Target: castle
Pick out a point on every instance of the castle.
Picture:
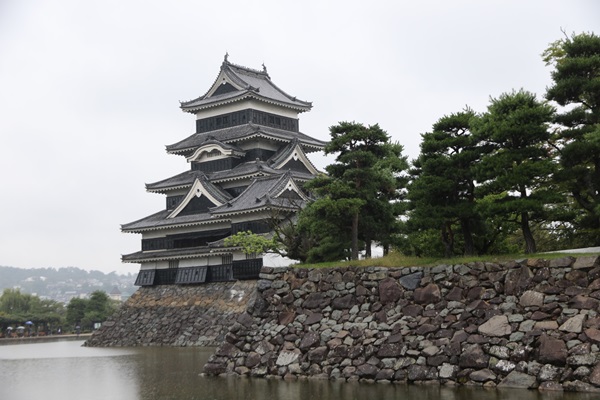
(247, 166)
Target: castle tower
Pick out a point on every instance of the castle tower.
(247, 164)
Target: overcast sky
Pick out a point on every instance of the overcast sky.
(90, 91)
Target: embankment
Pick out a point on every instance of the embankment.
(527, 324)
(176, 315)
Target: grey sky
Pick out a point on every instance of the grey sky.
(89, 92)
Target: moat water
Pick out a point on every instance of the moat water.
(64, 370)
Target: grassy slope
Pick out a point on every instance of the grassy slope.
(399, 260)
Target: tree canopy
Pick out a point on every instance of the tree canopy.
(356, 199)
(518, 175)
(516, 166)
(87, 312)
(442, 189)
(576, 87)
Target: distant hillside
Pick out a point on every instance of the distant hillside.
(62, 284)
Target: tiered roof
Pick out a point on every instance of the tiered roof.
(239, 133)
(266, 184)
(264, 193)
(235, 83)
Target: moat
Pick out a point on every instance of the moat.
(66, 370)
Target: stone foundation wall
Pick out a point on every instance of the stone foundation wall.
(176, 315)
(526, 324)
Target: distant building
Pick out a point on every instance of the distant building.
(247, 166)
(115, 294)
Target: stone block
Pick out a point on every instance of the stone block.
(473, 356)
(531, 298)
(496, 326)
(447, 371)
(587, 262)
(561, 262)
(552, 350)
(286, 358)
(593, 334)
(518, 380)
(482, 375)
(389, 291)
(573, 324)
(430, 294)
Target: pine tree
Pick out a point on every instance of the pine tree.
(358, 194)
(442, 192)
(517, 167)
(576, 77)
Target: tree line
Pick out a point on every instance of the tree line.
(42, 316)
(523, 175)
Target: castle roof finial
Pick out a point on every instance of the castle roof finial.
(226, 56)
(264, 68)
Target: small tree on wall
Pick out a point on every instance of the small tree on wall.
(251, 243)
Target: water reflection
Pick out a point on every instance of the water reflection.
(65, 370)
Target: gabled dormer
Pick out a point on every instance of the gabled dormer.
(202, 196)
(213, 149)
(274, 192)
(293, 158)
(213, 156)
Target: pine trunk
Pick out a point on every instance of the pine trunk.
(354, 255)
(448, 241)
(527, 235)
(467, 236)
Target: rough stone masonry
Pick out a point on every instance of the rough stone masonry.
(525, 324)
(172, 315)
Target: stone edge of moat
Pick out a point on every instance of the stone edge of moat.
(171, 315)
(520, 324)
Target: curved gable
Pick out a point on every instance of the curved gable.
(198, 200)
(296, 160)
(213, 151)
(290, 191)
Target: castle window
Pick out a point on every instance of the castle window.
(227, 259)
(174, 264)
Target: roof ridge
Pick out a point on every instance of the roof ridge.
(284, 152)
(248, 69)
(215, 190)
(282, 181)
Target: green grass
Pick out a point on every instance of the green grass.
(398, 260)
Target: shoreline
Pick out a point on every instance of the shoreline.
(43, 339)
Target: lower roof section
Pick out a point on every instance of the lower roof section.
(174, 254)
(159, 220)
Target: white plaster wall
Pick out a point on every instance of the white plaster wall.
(275, 260)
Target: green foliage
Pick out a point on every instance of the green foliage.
(442, 190)
(86, 312)
(357, 196)
(75, 311)
(516, 166)
(16, 308)
(251, 243)
(576, 87)
(325, 225)
(482, 184)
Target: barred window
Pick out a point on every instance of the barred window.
(227, 259)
